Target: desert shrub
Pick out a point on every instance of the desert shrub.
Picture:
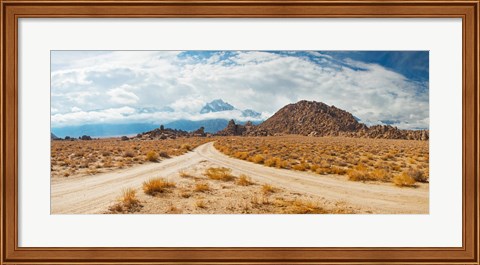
(267, 189)
(186, 147)
(244, 180)
(404, 180)
(276, 162)
(270, 162)
(259, 159)
(152, 156)
(164, 154)
(200, 204)
(417, 175)
(338, 170)
(129, 197)
(300, 167)
(241, 155)
(155, 186)
(185, 194)
(201, 187)
(381, 175)
(356, 175)
(299, 207)
(359, 173)
(219, 173)
(259, 200)
(129, 154)
(128, 202)
(185, 174)
(322, 170)
(314, 167)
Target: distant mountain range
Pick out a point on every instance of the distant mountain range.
(103, 130)
(219, 105)
(111, 130)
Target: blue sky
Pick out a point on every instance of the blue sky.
(378, 87)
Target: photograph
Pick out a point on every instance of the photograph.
(239, 132)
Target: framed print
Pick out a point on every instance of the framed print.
(239, 132)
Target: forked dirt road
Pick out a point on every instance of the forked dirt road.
(93, 194)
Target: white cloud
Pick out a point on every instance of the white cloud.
(261, 81)
(76, 109)
(189, 104)
(121, 95)
(128, 114)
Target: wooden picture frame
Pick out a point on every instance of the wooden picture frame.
(12, 10)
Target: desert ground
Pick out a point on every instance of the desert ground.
(223, 175)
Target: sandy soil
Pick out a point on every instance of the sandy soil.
(94, 194)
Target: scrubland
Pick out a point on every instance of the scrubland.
(257, 175)
(402, 162)
(207, 188)
(80, 157)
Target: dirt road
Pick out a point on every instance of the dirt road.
(93, 194)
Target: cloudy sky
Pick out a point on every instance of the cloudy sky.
(89, 87)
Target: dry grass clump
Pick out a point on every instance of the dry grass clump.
(299, 207)
(174, 210)
(201, 187)
(418, 175)
(128, 202)
(219, 173)
(404, 180)
(155, 186)
(185, 194)
(381, 175)
(259, 159)
(359, 173)
(276, 162)
(200, 204)
(241, 155)
(364, 173)
(152, 156)
(301, 167)
(186, 147)
(328, 170)
(163, 154)
(268, 189)
(244, 180)
(260, 200)
(185, 174)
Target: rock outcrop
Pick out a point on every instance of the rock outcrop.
(163, 133)
(233, 129)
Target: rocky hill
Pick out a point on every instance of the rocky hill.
(311, 118)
